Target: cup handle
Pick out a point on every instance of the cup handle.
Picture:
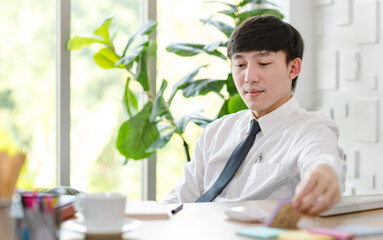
(78, 204)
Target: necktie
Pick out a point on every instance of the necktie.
(232, 165)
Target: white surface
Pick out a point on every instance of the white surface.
(349, 65)
(77, 225)
(351, 204)
(327, 73)
(366, 21)
(323, 2)
(247, 214)
(372, 82)
(365, 117)
(343, 12)
(353, 165)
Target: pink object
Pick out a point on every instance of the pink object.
(337, 234)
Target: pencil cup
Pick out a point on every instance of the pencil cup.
(7, 224)
(102, 211)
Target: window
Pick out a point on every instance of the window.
(96, 103)
(27, 89)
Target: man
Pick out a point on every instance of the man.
(295, 154)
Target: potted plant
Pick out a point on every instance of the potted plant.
(152, 125)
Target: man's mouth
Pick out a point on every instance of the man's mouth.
(253, 92)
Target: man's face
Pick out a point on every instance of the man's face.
(263, 79)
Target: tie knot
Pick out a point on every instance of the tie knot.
(254, 127)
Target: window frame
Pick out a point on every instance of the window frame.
(62, 58)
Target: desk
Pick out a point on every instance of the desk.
(200, 221)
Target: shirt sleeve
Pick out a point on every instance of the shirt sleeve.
(319, 145)
(190, 186)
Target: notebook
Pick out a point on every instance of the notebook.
(146, 210)
(350, 204)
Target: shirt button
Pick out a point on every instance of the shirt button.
(238, 172)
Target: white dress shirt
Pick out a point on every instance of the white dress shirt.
(291, 143)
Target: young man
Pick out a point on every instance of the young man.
(295, 154)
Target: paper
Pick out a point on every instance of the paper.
(335, 233)
(284, 216)
(146, 210)
(361, 230)
(302, 235)
(261, 232)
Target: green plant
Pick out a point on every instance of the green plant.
(236, 14)
(151, 126)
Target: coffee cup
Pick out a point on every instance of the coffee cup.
(102, 212)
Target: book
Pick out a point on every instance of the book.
(66, 207)
(146, 210)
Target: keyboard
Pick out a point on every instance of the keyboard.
(350, 204)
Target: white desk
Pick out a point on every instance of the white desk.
(199, 221)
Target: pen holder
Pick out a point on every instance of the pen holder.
(41, 217)
(7, 223)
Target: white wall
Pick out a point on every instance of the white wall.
(342, 75)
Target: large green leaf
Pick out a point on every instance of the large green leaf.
(160, 107)
(192, 49)
(236, 104)
(185, 49)
(128, 60)
(149, 27)
(152, 48)
(230, 85)
(202, 87)
(130, 100)
(141, 74)
(76, 43)
(230, 12)
(222, 26)
(224, 109)
(256, 12)
(160, 142)
(200, 120)
(106, 58)
(186, 79)
(103, 30)
(137, 134)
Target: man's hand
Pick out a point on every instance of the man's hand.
(317, 192)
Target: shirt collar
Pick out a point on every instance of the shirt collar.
(269, 120)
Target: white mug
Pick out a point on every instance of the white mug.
(102, 212)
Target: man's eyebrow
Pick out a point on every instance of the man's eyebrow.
(256, 54)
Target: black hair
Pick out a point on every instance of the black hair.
(268, 33)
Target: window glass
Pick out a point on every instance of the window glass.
(96, 102)
(178, 25)
(27, 87)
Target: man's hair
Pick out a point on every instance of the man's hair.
(267, 33)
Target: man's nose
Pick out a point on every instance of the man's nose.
(251, 75)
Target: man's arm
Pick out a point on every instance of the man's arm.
(318, 191)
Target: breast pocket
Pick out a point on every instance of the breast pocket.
(268, 179)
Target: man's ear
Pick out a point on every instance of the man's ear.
(296, 66)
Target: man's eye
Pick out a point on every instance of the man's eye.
(240, 65)
(264, 63)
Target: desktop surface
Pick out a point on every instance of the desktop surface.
(208, 221)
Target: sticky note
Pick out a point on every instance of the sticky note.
(361, 230)
(302, 235)
(261, 232)
(284, 216)
(335, 233)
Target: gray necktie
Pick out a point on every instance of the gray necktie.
(232, 165)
